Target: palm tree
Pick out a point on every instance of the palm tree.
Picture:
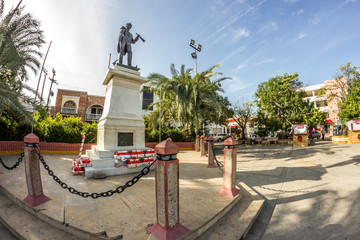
(11, 101)
(189, 101)
(20, 41)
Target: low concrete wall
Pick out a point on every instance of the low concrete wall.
(339, 139)
(15, 147)
(182, 145)
(353, 137)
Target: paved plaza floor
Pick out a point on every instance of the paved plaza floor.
(310, 193)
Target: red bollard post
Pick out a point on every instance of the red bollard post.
(32, 172)
(229, 177)
(197, 143)
(211, 153)
(167, 193)
(202, 146)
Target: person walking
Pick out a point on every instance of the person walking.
(323, 134)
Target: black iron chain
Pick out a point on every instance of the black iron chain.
(217, 162)
(108, 193)
(15, 165)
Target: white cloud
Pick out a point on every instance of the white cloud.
(232, 54)
(301, 35)
(240, 66)
(300, 11)
(269, 26)
(236, 85)
(269, 60)
(315, 20)
(291, 1)
(242, 32)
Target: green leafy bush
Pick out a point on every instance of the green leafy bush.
(176, 134)
(48, 129)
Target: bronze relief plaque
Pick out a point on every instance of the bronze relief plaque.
(125, 139)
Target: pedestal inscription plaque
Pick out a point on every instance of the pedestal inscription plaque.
(125, 139)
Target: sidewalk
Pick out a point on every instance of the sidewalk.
(311, 193)
(121, 216)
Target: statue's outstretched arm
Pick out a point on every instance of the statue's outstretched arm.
(135, 40)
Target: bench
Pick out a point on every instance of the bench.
(272, 139)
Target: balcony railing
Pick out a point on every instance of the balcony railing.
(68, 110)
(93, 116)
(324, 109)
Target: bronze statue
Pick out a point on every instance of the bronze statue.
(124, 43)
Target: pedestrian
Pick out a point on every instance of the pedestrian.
(323, 134)
(252, 140)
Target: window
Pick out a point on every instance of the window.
(69, 107)
(94, 113)
(96, 110)
(70, 104)
(148, 98)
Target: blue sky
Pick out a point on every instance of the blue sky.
(253, 40)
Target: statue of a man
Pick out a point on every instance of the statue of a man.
(124, 43)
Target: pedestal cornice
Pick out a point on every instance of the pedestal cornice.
(125, 74)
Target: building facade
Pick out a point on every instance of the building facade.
(79, 104)
(326, 97)
(90, 107)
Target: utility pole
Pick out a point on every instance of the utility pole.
(42, 67)
(50, 92)
(42, 91)
(37, 88)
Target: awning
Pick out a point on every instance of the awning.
(328, 120)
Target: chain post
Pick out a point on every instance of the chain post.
(167, 193)
(202, 146)
(229, 175)
(32, 172)
(211, 152)
(197, 143)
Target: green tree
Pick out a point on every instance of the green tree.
(350, 107)
(189, 101)
(281, 100)
(348, 81)
(20, 41)
(313, 116)
(11, 106)
(243, 113)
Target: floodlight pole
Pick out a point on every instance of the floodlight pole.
(160, 119)
(194, 55)
(195, 62)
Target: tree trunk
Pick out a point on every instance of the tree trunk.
(243, 133)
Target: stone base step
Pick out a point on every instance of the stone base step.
(238, 221)
(24, 225)
(102, 172)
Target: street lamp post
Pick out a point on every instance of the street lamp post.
(194, 55)
(160, 119)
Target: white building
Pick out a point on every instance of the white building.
(317, 95)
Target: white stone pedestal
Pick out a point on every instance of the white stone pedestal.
(121, 125)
